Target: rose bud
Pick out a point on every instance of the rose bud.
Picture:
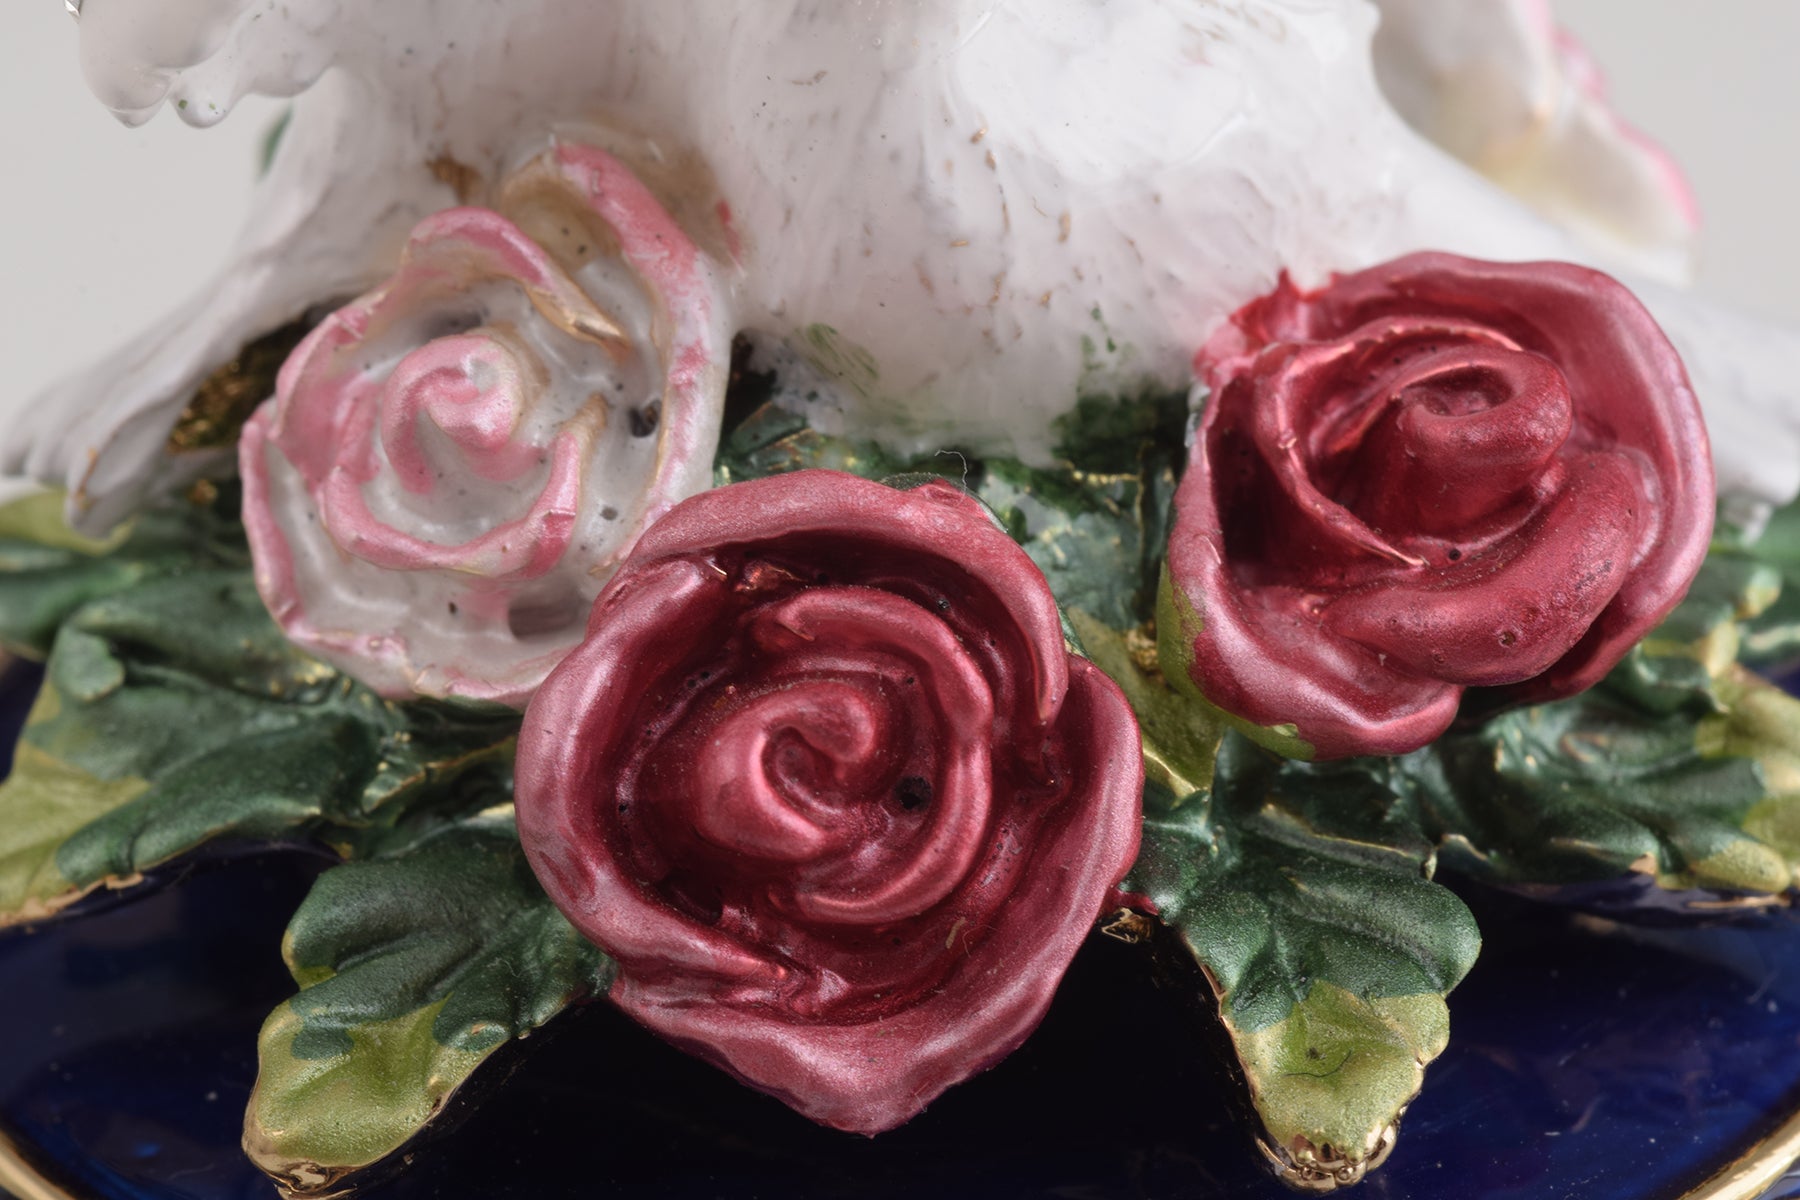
(1433, 475)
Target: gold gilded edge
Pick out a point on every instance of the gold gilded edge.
(1746, 1177)
(19, 1178)
(1757, 1169)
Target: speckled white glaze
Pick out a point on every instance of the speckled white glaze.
(966, 211)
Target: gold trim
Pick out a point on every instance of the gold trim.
(22, 1179)
(1756, 1170)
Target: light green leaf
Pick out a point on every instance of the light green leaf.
(413, 971)
(1304, 893)
(1180, 738)
(1336, 1058)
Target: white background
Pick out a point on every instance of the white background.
(103, 227)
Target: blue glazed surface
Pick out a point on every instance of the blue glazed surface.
(1588, 1061)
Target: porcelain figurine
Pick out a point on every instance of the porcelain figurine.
(965, 212)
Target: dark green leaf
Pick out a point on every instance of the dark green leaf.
(1773, 635)
(1600, 787)
(1305, 893)
(174, 712)
(772, 440)
(1094, 522)
(47, 571)
(413, 970)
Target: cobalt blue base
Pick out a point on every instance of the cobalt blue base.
(1588, 1061)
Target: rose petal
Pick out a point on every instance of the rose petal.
(933, 520)
(861, 620)
(870, 1076)
(1262, 655)
(1496, 618)
(806, 783)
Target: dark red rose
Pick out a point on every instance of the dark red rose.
(1432, 475)
(827, 783)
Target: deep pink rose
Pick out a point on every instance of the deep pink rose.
(1433, 475)
(827, 783)
(453, 464)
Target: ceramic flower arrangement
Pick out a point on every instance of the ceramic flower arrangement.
(802, 606)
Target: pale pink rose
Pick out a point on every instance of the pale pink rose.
(453, 464)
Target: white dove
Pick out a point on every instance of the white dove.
(966, 212)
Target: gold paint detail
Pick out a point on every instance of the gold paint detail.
(1128, 926)
(459, 177)
(1140, 643)
(541, 202)
(226, 398)
(1312, 1171)
(1737, 904)
(20, 1179)
(1757, 1169)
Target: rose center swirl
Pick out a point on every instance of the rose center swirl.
(471, 391)
(1463, 436)
(854, 784)
(1429, 432)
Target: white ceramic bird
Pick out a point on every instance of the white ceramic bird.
(965, 212)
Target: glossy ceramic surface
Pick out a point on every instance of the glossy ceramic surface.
(1588, 1061)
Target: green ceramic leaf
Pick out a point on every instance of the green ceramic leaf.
(1304, 892)
(1731, 588)
(1773, 635)
(1598, 788)
(174, 713)
(1180, 739)
(413, 970)
(1094, 521)
(47, 570)
(44, 801)
(1673, 783)
(771, 440)
(1096, 538)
